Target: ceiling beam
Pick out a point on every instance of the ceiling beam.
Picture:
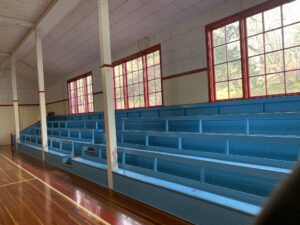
(16, 22)
(52, 15)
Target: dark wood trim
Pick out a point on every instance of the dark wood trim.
(58, 101)
(98, 92)
(11, 105)
(191, 72)
(6, 105)
(41, 91)
(29, 104)
(106, 65)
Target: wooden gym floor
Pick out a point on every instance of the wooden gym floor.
(32, 192)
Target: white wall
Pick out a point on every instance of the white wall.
(27, 90)
(183, 49)
(28, 111)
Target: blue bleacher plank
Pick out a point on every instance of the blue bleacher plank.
(232, 154)
(184, 202)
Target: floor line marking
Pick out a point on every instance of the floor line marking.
(104, 222)
(17, 182)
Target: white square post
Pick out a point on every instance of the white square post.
(41, 82)
(13, 71)
(107, 84)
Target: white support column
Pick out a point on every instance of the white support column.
(107, 84)
(15, 98)
(40, 71)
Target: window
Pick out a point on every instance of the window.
(137, 80)
(256, 53)
(80, 90)
(227, 62)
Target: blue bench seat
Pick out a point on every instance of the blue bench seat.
(268, 123)
(264, 147)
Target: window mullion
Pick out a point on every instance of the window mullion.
(211, 66)
(114, 88)
(70, 98)
(76, 97)
(244, 58)
(86, 95)
(283, 49)
(145, 74)
(126, 100)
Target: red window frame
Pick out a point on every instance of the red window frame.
(137, 80)
(242, 18)
(80, 94)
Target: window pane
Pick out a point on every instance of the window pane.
(130, 90)
(151, 73)
(142, 101)
(255, 45)
(150, 60)
(257, 86)
(136, 89)
(220, 54)
(274, 62)
(219, 36)
(232, 32)
(135, 77)
(222, 91)
(131, 102)
(254, 24)
(129, 67)
(158, 85)
(140, 63)
(275, 84)
(152, 99)
(129, 78)
(134, 65)
(236, 88)
(118, 93)
(256, 65)
(272, 18)
(117, 82)
(234, 70)
(137, 102)
(292, 58)
(158, 98)
(291, 12)
(89, 80)
(233, 51)
(141, 89)
(292, 35)
(156, 58)
(273, 40)
(293, 81)
(116, 70)
(151, 85)
(91, 108)
(221, 72)
(157, 71)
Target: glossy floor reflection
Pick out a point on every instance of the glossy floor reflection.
(27, 200)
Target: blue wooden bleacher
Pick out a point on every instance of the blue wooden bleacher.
(213, 163)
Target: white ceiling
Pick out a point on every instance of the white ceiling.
(23, 10)
(75, 42)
